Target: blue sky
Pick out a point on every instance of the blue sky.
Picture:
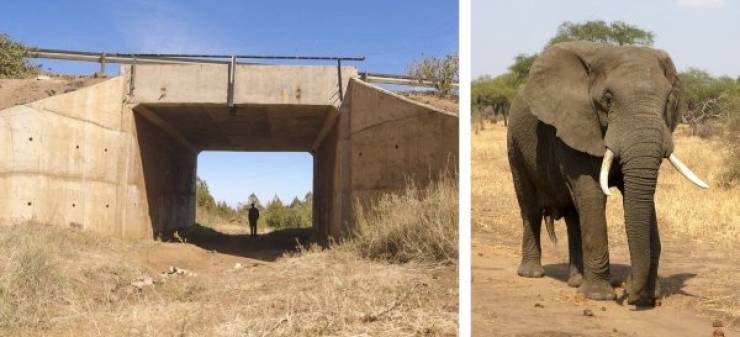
(391, 34)
(702, 34)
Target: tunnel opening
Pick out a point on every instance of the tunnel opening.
(279, 184)
(170, 138)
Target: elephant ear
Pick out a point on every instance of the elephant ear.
(677, 104)
(557, 92)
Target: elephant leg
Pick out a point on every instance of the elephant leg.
(591, 205)
(531, 265)
(575, 253)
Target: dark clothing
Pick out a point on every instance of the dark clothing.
(254, 215)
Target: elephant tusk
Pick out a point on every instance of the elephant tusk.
(606, 165)
(686, 172)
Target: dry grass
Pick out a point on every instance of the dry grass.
(416, 225)
(63, 282)
(349, 297)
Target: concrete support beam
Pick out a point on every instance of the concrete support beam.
(165, 126)
(329, 122)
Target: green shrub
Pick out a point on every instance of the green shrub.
(13, 60)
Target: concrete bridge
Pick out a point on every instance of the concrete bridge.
(120, 157)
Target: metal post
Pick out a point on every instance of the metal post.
(230, 92)
(133, 76)
(339, 76)
(102, 64)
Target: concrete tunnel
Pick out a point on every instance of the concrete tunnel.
(120, 157)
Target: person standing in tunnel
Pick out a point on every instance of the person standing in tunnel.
(254, 215)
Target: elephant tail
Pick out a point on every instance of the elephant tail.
(550, 227)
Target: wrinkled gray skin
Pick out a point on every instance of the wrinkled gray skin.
(580, 99)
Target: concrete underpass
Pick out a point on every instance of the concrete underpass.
(120, 157)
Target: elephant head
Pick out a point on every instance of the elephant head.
(617, 103)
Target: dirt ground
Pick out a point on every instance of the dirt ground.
(700, 276)
(444, 103)
(21, 91)
(232, 285)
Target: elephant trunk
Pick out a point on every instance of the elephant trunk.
(640, 160)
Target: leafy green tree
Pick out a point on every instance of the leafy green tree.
(274, 213)
(203, 196)
(709, 99)
(253, 199)
(296, 203)
(494, 93)
(521, 66)
(616, 33)
(13, 59)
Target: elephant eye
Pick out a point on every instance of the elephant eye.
(606, 100)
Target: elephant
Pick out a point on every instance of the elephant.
(593, 116)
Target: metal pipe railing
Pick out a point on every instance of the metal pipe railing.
(398, 79)
(164, 58)
(51, 52)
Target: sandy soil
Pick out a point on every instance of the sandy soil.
(21, 91)
(444, 103)
(507, 305)
(700, 276)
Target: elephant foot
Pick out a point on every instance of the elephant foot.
(640, 299)
(575, 279)
(599, 290)
(531, 269)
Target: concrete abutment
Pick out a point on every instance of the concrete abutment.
(120, 157)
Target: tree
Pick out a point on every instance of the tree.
(253, 199)
(521, 66)
(296, 203)
(443, 72)
(494, 93)
(709, 99)
(203, 196)
(13, 59)
(274, 213)
(616, 33)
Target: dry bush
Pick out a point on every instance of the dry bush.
(46, 273)
(415, 225)
(350, 296)
(443, 72)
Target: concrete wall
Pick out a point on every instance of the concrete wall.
(84, 159)
(64, 160)
(394, 139)
(166, 170)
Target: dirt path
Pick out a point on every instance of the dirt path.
(507, 305)
(210, 253)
